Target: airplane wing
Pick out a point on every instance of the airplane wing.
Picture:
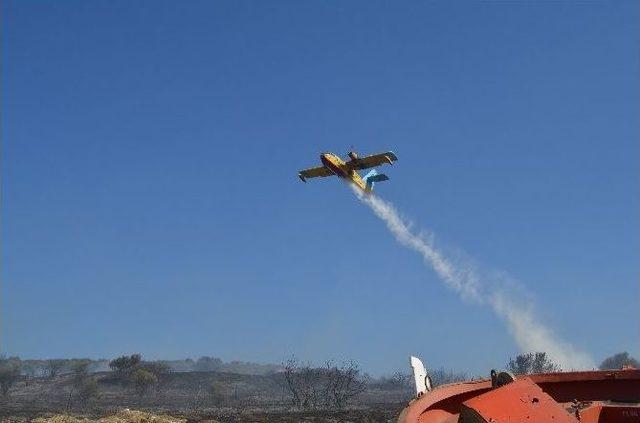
(372, 161)
(314, 172)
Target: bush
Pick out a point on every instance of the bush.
(532, 363)
(156, 367)
(617, 361)
(53, 367)
(440, 376)
(397, 381)
(80, 370)
(125, 362)
(208, 364)
(330, 386)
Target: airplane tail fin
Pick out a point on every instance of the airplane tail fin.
(373, 177)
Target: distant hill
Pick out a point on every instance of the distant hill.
(45, 367)
(211, 364)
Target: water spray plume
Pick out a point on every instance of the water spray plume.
(493, 291)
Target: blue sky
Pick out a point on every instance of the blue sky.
(151, 204)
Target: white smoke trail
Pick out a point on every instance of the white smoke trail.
(462, 277)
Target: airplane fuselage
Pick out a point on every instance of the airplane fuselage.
(337, 166)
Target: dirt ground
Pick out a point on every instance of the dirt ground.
(124, 416)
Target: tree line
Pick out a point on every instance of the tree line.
(51, 368)
(330, 385)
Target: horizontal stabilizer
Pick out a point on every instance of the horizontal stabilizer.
(374, 176)
(379, 178)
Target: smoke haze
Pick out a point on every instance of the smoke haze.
(495, 290)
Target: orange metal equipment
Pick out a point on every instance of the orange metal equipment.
(569, 397)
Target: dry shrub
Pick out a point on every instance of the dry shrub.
(133, 416)
(61, 418)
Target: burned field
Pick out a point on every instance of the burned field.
(199, 396)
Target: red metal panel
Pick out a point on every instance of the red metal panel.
(448, 398)
(591, 414)
(612, 385)
(620, 414)
(519, 401)
(444, 403)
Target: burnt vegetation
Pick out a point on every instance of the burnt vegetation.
(328, 386)
(533, 362)
(210, 388)
(619, 361)
(206, 386)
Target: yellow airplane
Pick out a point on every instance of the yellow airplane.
(334, 165)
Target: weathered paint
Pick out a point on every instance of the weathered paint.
(519, 401)
(598, 396)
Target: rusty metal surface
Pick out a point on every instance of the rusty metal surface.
(610, 413)
(588, 392)
(447, 398)
(615, 385)
(520, 401)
